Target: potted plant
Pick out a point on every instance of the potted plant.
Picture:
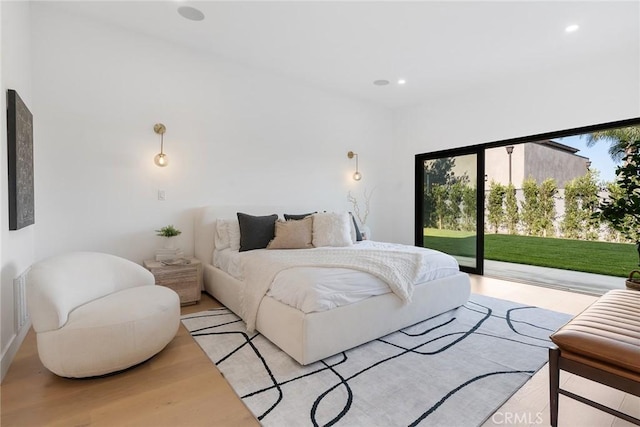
(168, 231)
(622, 208)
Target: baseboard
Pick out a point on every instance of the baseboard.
(12, 349)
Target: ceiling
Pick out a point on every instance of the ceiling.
(438, 47)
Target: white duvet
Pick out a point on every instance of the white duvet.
(312, 289)
(319, 288)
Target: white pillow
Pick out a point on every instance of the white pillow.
(331, 229)
(227, 234)
(234, 234)
(222, 234)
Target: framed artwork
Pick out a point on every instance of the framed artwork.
(20, 151)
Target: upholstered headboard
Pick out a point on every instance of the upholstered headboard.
(205, 223)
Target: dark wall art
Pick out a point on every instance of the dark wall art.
(20, 151)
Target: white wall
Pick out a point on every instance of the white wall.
(234, 135)
(16, 247)
(600, 90)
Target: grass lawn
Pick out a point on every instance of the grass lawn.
(612, 259)
(451, 242)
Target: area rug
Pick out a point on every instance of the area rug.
(455, 369)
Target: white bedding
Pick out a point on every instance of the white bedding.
(309, 337)
(312, 289)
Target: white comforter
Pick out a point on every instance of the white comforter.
(314, 289)
(399, 266)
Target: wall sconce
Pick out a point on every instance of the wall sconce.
(160, 159)
(357, 176)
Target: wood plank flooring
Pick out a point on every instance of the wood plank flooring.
(181, 387)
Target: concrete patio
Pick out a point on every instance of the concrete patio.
(575, 281)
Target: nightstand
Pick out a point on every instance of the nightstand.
(185, 279)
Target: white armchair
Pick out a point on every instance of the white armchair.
(96, 313)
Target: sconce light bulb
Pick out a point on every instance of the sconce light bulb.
(161, 160)
(357, 176)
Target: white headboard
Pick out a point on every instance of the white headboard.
(205, 223)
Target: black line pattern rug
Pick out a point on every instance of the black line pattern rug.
(454, 369)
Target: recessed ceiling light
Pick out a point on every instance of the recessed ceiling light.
(401, 81)
(381, 82)
(191, 13)
(572, 28)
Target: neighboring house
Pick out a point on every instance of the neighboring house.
(538, 160)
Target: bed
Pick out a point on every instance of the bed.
(314, 335)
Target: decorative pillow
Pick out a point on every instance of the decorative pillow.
(356, 235)
(221, 240)
(256, 231)
(296, 217)
(293, 234)
(233, 228)
(331, 229)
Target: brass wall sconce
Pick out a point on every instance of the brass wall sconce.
(357, 176)
(160, 159)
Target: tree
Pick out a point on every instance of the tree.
(614, 192)
(494, 205)
(619, 138)
(529, 205)
(439, 194)
(547, 206)
(588, 185)
(622, 210)
(454, 211)
(438, 172)
(581, 201)
(571, 223)
(511, 217)
(470, 208)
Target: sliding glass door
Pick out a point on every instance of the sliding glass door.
(450, 205)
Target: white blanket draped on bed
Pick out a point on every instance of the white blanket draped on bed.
(399, 269)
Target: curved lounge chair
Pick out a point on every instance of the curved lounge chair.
(96, 313)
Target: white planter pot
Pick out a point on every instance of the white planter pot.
(169, 243)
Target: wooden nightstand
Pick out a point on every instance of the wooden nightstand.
(186, 279)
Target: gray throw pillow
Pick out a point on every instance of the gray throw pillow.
(296, 217)
(355, 225)
(256, 231)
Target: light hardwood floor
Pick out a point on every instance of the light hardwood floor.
(181, 387)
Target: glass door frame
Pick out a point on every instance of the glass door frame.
(478, 151)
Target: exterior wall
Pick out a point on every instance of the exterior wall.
(497, 165)
(544, 162)
(533, 160)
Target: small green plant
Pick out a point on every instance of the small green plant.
(168, 231)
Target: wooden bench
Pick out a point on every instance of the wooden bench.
(601, 344)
